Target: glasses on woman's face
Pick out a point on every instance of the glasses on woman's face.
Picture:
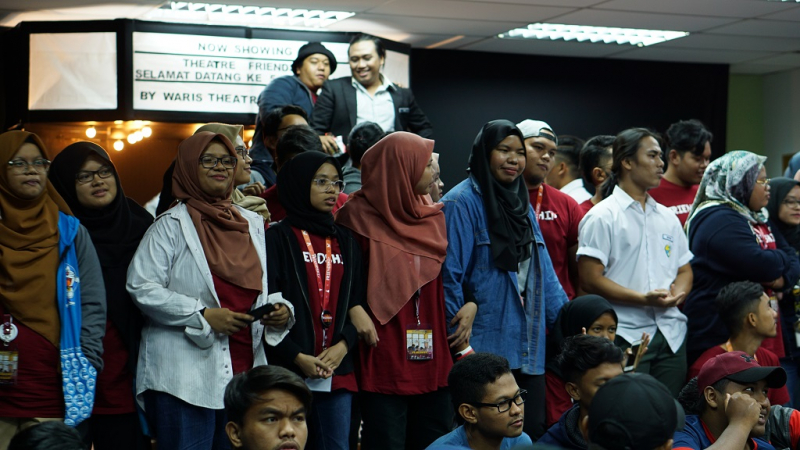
(505, 405)
(209, 162)
(86, 176)
(324, 184)
(764, 182)
(243, 153)
(791, 202)
(20, 166)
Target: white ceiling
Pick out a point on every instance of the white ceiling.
(753, 36)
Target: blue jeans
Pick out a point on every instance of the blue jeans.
(177, 425)
(329, 422)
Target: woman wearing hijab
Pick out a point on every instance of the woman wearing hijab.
(402, 374)
(328, 261)
(87, 180)
(588, 314)
(732, 240)
(197, 273)
(52, 301)
(242, 175)
(784, 211)
(499, 282)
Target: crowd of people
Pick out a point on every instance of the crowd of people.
(619, 292)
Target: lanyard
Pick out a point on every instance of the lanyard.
(539, 201)
(416, 302)
(324, 293)
(729, 348)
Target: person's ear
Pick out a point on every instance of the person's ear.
(468, 413)
(713, 398)
(573, 391)
(233, 431)
(627, 164)
(674, 157)
(584, 427)
(598, 176)
(751, 319)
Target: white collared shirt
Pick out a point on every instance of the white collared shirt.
(576, 190)
(378, 108)
(641, 250)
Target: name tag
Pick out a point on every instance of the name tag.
(403, 110)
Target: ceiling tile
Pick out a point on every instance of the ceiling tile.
(450, 9)
(727, 42)
(786, 59)
(656, 53)
(757, 69)
(424, 40)
(792, 15)
(562, 3)
(413, 25)
(712, 8)
(551, 48)
(760, 27)
(673, 22)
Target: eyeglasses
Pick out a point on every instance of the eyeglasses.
(243, 152)
(505, 405)
(20, 166)
(86, 176)
(324, 184)
(792, 203)
(209, 162)
(763, 182)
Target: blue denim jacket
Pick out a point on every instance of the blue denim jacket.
(501, 325)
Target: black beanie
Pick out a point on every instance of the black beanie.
(310, 49)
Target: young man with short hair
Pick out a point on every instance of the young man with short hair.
(489, 402)
(273, 124)
(745, 310)
(565, 175)
(634, 412)
(558, 213)
(595, 166)
(688, 156)
(633, 252)
(587, 362)
(733, 407)
(267, 408)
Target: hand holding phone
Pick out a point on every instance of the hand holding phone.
(261, 311)
(632, 353)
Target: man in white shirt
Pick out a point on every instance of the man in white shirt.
(565, 174)
(633, 252)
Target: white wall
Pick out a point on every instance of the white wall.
(781, 118)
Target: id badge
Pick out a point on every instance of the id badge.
(9, 356)
(419, 342)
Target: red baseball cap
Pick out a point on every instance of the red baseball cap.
(739, 367)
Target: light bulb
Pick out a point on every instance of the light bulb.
(131, 139)
(119, 145)
(147, 131)
(138, 136)
(91, 132)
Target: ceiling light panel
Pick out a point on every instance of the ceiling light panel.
(602, 35)
(215, 13)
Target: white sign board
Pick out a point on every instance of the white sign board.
(192, 73)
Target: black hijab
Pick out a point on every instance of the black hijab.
(167, 198)
(510, 231)
(294, 193)
(116, 231)
(579, 313)
(779, 189)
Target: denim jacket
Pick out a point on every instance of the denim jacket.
(502, 324)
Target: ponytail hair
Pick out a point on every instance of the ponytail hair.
(625, 147)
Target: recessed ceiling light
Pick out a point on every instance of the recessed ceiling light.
(581, 33)
(218, 14)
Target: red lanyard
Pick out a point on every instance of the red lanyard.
(539, 201)
(325, 294)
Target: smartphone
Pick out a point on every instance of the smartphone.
(632, 357)
(259, 312)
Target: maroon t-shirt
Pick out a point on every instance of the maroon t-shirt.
(386, 369)
(559, 216)
(114, 394)
(238, 299)
(315, 299)
(276, 211)
(678, 199)
(557, 400)
(586, 206)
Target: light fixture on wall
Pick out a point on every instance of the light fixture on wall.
(91, 132)
(274, 17)
(119, 145)
(581, 33)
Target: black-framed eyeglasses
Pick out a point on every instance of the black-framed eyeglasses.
(324, 184)
(209, 162)
(791, 203)
(243, 152)
(505, 405)
(20, 166)
(86, 176)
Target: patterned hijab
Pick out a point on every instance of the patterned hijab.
(729, 180)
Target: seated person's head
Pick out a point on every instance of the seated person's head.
(275, 123)
(361, 138)
(633, 411)
(296, 139)
(586, 363)
(53, 434)
(744, 307)
(739, 376)
(267, 408)
(486, 396)
(595, 161)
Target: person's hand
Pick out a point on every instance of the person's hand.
(311, 366)
(742, 408)
(332, 357)
(225, 321)
(642, 350)
(774, 284)
(664, 298)
(329, 144)
(254, 189)
(464, 319)
(364, 326)
(276, 318)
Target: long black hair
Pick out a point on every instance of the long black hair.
(625, 147)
